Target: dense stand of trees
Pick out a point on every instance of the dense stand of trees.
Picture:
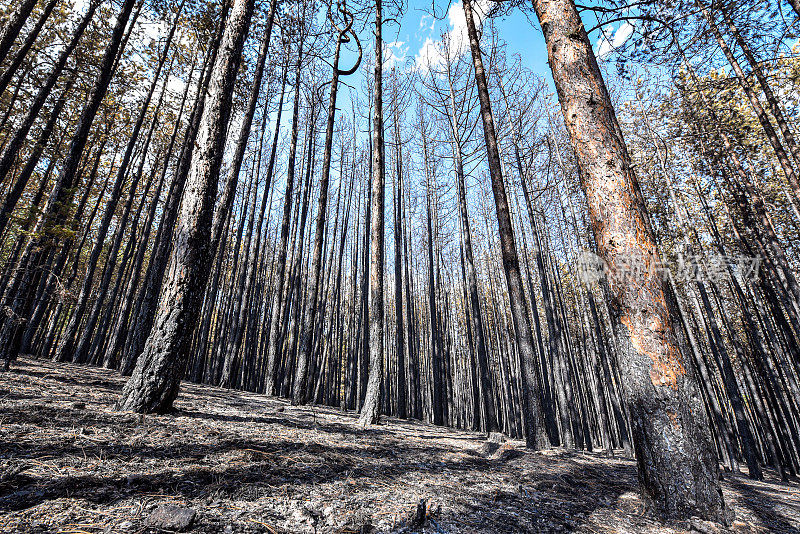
(238, 193)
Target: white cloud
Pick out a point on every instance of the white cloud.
(459, 40)
(431, 53)
(620, 37)
(423, 19)
(394, 53)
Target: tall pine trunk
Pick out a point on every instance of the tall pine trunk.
(155, 381)
(535, 434)
(678, 470)
(370, 411)
(299, 391)
(11, 29)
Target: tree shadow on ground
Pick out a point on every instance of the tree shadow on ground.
(84, 379)
(762, 506)
(538, 501)
(233, 446)
(247, 469)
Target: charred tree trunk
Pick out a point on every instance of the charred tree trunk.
(536, 435)
(371, 410)
(299, 391)
(11, 151)
(56, 212)
(154, 384)
(22, 52)
(274, 335)
(678, 469)
(11, 29)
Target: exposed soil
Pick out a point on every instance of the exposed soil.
(249, 463)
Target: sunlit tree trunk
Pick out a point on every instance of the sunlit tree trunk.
(678, 469)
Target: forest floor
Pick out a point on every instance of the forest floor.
(242, 462)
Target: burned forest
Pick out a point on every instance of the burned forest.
(355, 266)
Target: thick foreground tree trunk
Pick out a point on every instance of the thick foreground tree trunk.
(678, 469)
(154, 383)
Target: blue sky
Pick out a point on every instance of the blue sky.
(418, 26)
(415, 40)
(419, 30)
(520, 31)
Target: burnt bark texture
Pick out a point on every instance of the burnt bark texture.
(533, 412)
(677, 465)
(370, 411)
(155, 381)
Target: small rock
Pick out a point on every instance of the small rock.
(169, 517)
(505, 452)
(496, 437)
(488, 448)
(491, 445)
(703, 527)
(125, 525)
(78, 405)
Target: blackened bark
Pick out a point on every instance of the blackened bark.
(399, 261)
(299, 393)
(536, 435)
(154, 383)
(221, 214)
(121, 330)
(13, 196)
(67, 344)
(678, 470)
(226, 202)
(56, 212)
(11, 30)
(19, 55)
(370, 411)
(145, 311)
(14, 144)
(273, 340)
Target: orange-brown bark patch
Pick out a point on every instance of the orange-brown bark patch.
(667, 366)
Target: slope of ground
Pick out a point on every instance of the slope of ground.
(248, 463)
